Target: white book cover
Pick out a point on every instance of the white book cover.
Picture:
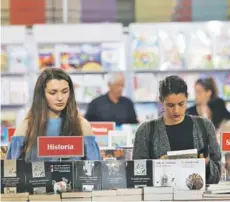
(164, 173)
(19, 90)
(131, 130)
(5, 95)
(93, 87)
(145, 87)
(78, 87)
(113, 56)
(190, 174)
(18, 57)
(200, 49)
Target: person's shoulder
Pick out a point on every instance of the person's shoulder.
(98, 99)
(86, 127)
(126, 99)
(22, 128)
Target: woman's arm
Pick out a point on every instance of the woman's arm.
(213, 166)
(141, 143)
(92, 151)
(16, 146)
(86, 128)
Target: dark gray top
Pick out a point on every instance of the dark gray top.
(103, 109)
(161, 144)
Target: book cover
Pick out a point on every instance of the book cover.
(46, 56)
(113, 174)
(164, 173)
(38, 178)
(190, 174)
(4, 58)
(13, 176)
(18, 58)
(200, 55)
(112, 56)
(139, 173)
(145, 87)
(145, 50)
(87, 175)
(93, 87)
(174, 48)
(62, 176)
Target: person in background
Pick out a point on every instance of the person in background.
(205, 90)
(53, 113)
(219, 115)
(176, 130)
(113, 106)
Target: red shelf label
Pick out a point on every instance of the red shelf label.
(225, 141)
(102, 128)
(61, 146)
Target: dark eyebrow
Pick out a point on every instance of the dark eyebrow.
(56, 89)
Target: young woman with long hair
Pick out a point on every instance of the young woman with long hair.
(53, 113)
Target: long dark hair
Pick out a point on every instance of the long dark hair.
(209, 84)
(219, 111)
(38, 113)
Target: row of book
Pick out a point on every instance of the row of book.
(85, 176)
(159, 46)
(131, 194)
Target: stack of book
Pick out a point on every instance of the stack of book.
(76, 196)
(221, 188)
(188, 194)
(15, 197)
(104, 195)
(158, 193)
(129, 194)
(44, 197)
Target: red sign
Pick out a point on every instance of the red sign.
(60, 146)
(225, 141)
(10, 133)
(102, 128)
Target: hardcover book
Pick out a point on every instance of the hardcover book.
(13, 176)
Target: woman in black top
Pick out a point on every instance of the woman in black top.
(205, 91)
(177, 131)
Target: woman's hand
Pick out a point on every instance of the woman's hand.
(206, 159)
